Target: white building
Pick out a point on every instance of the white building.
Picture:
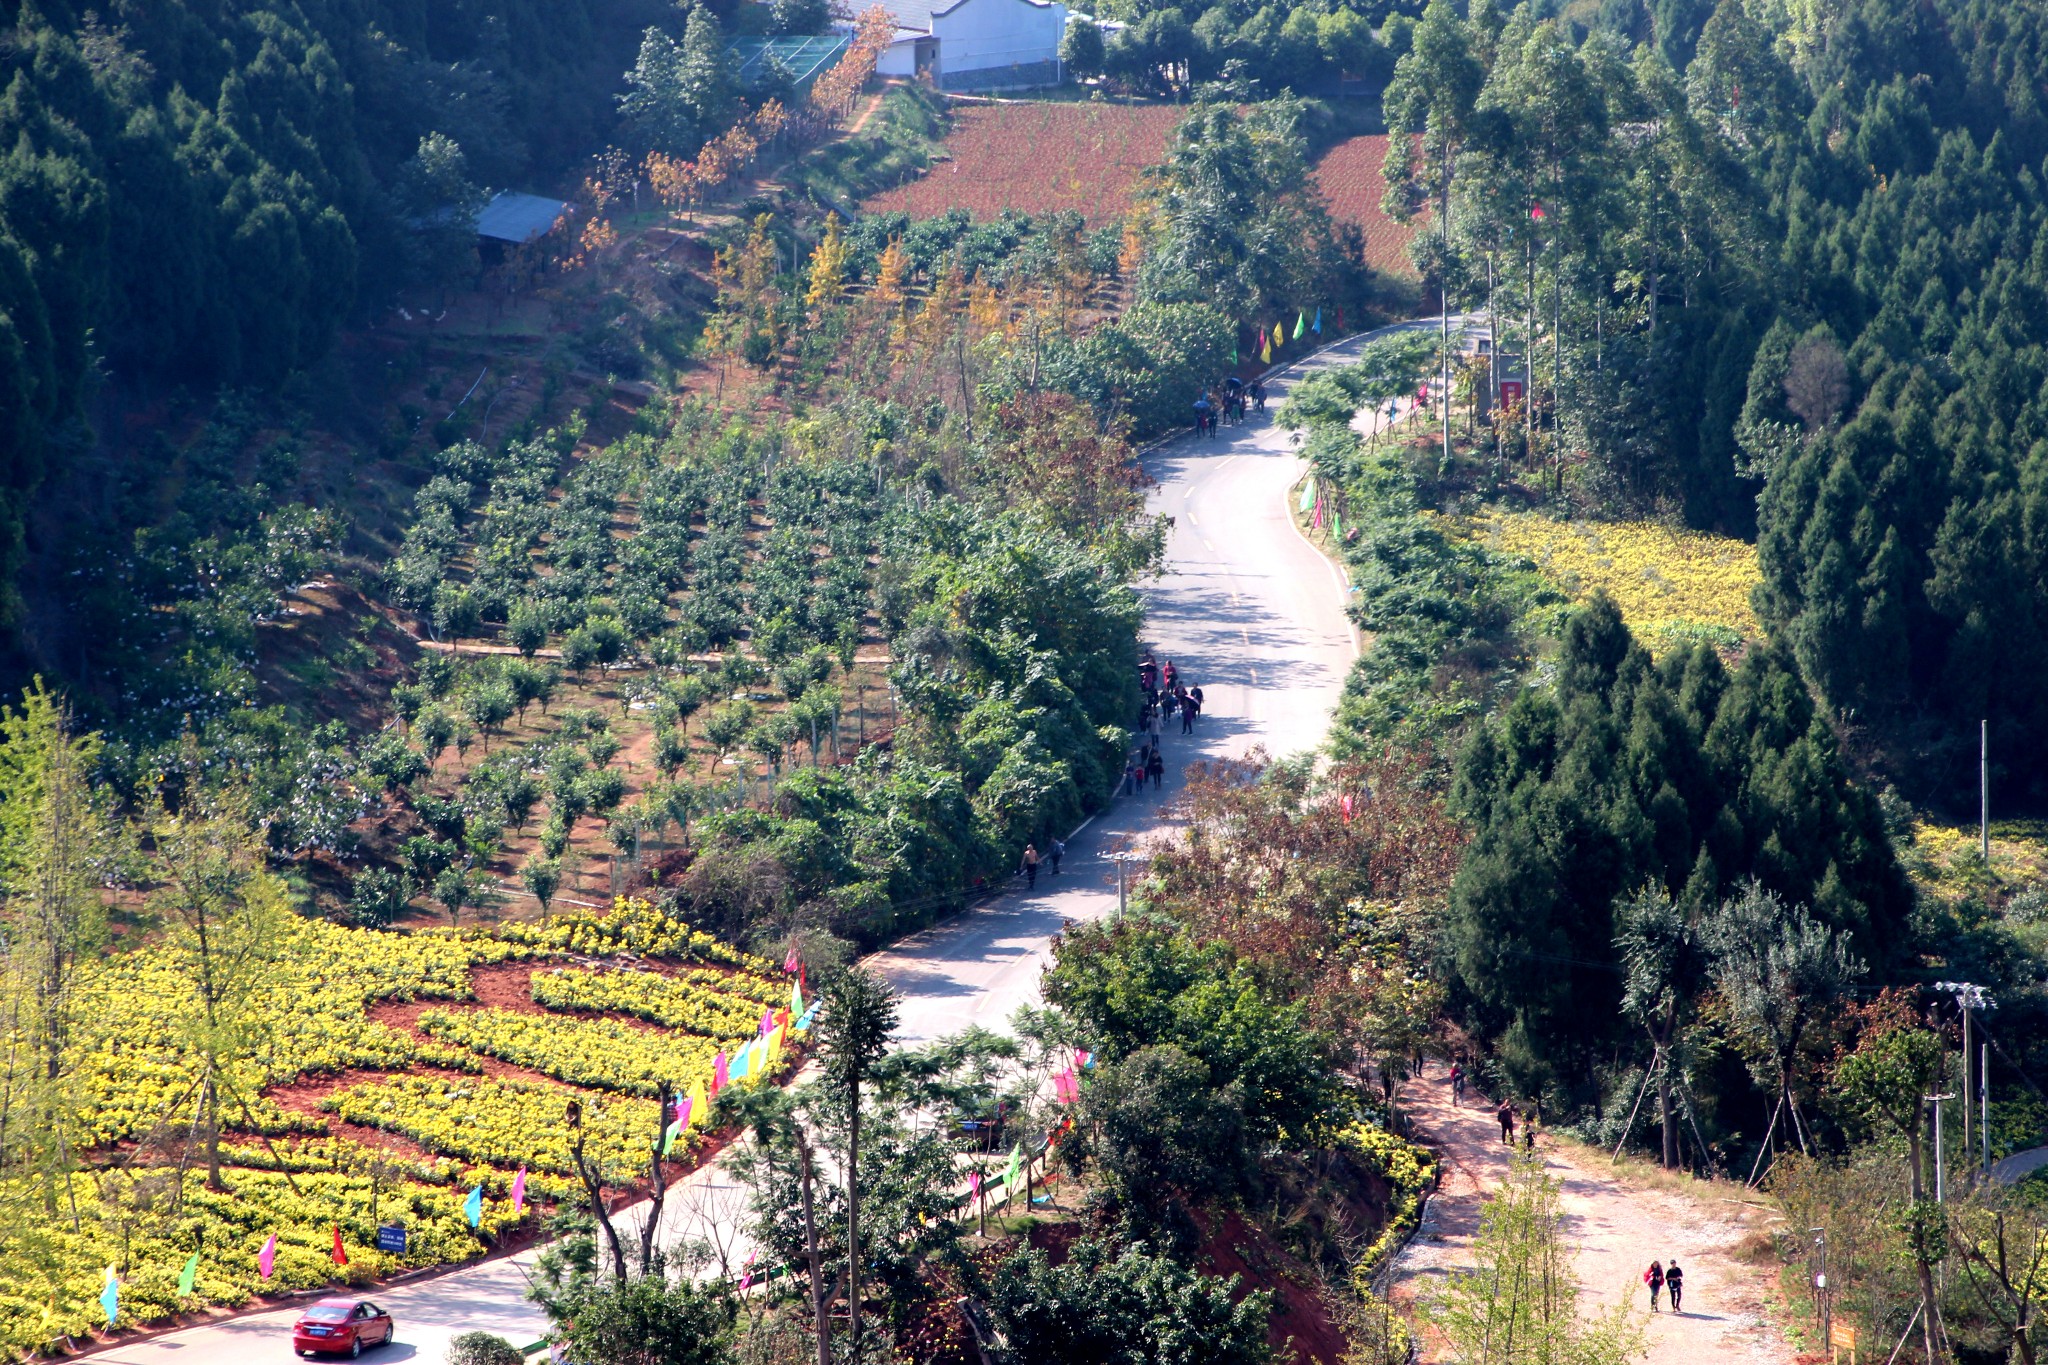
(977, 44)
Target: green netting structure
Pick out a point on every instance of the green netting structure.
(803, 57)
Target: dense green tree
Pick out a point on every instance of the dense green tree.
(1627, 774)
(1126, 1305)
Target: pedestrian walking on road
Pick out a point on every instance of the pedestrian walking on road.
(1187, 712)
(1258, 395)
(1152, 726)
(1030, 866)
(1506, 1115)
(1156, 766)
(1457, 1084)
(1058, 851)
(1674, 1280)
(1170, 675)
(1654, 1277)
(1529, 1133)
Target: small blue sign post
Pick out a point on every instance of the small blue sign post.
(391, 1238)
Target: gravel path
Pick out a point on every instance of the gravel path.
(1619, 1228)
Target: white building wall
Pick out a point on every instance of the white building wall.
(899, 58)
(978, 35)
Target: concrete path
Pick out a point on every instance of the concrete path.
(1246, 608)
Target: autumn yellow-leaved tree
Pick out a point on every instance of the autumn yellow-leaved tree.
(828, 267)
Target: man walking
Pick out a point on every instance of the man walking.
(1674, 1284)
(1030, 867)
(1506, 1115)
(1187, 712)
(1058, 851)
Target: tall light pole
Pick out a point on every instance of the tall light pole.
(1123, 861)
(1970, 997)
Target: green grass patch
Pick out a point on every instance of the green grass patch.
(899, 138)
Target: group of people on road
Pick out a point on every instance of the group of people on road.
(1166, 695)
(1227, 401)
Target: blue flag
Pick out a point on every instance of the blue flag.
(110, 1297)
(810, 1017)
(1318, 328)
(473, 1207)
(741, 1064)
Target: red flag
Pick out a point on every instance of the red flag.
(1345, 802)
(791, 963)
(1536, 212)
(340, 1256)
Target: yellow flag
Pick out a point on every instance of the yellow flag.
(700, 1104)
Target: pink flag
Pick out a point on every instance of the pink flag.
(718, 1073)
(1318, 522)
(683, 1106)
(973, 1184)
(747, 1280)
(519, 1191)
(266, 1259)
(767, 1020)
(791, 963)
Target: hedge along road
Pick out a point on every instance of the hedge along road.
(1245, 607)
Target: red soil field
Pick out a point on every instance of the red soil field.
(1349, 177)
(1039, 158)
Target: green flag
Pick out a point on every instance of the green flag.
(1337, 527)
(1308, 495)
(189, 1277)
(1300, 325)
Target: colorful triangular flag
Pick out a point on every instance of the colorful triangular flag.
(700, 1106)
(719, 1074)
(519, 1191)
(188, 1278)
(741, 1063)
(338, 1256)
(266, 1259)
(110, 1297)
(803, 1025)
(796, 1000)
(472, 1209)
(1300, 325)
(668, 1136)
(1317, 326)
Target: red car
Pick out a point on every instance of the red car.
(341, 1327)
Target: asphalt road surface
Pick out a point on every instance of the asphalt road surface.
(1246, 608)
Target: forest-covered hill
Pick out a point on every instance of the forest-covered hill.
(199, 192)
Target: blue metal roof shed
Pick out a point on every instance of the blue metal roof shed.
(519, 218)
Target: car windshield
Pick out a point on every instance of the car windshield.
(328, 1313)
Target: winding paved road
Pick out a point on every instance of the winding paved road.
(1246, 608)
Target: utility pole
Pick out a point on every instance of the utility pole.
(1970, 997)
(1984, 792)
(1984, 1104)
(1821, 1297)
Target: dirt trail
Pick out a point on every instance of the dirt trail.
(1618, 1227)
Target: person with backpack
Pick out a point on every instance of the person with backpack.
(1654, 1277)
(1457, 1084)
(1674, 1281)
(1058, 851)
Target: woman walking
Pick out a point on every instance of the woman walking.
(1654, 1277)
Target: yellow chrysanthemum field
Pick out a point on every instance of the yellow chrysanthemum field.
(1671, 585)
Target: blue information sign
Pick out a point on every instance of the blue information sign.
(391, 1238)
